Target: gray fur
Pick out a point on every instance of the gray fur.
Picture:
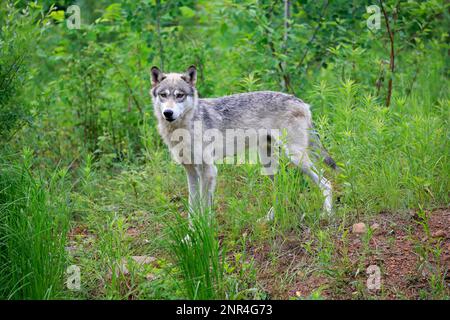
(254, 110)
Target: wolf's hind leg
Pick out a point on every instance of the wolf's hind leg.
(302, 159)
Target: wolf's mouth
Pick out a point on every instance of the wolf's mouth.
(170, 119)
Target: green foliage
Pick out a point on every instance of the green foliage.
(34, 221)
(197, 252)
(81, 98)
(19, 31)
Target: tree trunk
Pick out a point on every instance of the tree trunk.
(391, 56)
(286, 81)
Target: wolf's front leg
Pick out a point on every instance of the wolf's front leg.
(201, 182)
(193, 178)
(208, 178)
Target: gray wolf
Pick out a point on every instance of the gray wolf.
(178, 107)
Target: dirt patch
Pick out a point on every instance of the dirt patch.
(412, 252)
(79, 231)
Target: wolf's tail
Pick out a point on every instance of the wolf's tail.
(319, 151)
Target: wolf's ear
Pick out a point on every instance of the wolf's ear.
(157, 76)
(190, 76)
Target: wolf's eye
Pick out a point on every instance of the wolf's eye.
(163, 95)
(179, 95)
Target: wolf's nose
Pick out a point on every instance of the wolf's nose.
(168, 113)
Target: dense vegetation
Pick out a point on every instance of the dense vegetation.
(85, 179)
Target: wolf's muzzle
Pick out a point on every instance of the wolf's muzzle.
(168, 114)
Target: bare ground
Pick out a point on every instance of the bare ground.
(412, 261)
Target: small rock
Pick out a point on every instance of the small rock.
(150, 277)
(132, 232)
(71, 249)
(359, 228)
(375, 226)
(438, 234)
(122, 269)
(143, 259)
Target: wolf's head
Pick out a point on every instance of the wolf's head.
(173, 94)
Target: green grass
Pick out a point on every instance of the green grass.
(197, 252)
(33, 226)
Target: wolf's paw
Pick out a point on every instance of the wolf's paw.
(328, 207)
(270, 216)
